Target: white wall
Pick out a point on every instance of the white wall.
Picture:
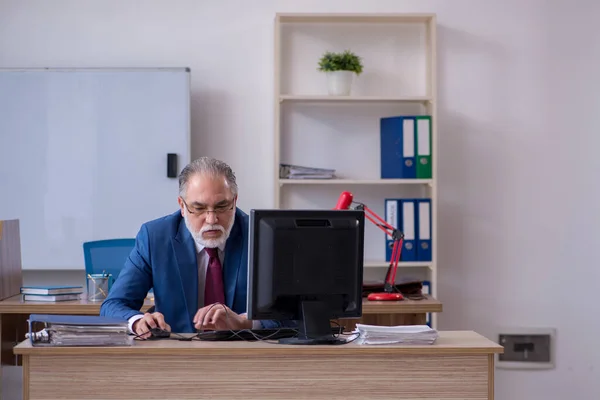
(518, 125)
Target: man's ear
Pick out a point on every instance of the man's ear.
(181, 205)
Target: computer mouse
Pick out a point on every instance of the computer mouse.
(157, 333)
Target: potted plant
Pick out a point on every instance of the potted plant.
(340, 69)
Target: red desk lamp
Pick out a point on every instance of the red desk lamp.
(389, 289)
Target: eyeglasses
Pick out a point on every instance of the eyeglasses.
(217, 210)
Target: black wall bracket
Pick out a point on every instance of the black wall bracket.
(172, 165)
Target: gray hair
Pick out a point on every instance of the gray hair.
(209, 166)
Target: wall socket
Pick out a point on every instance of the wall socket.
(526, 348)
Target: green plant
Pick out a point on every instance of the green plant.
(345, 61)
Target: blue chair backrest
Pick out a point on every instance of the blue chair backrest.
(107, 256)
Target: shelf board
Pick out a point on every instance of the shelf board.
(353, 99)
(403, 264)
(355, 181)
(354, 18)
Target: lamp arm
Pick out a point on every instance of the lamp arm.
(398, 238)
(392, 232)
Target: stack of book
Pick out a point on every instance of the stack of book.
(402, 334)
(51, 293)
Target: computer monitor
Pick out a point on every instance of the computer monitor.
(307, 266)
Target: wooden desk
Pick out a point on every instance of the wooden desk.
(14, 313)
(460, 365)
(15, 305)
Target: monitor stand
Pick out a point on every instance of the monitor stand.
(314, 326)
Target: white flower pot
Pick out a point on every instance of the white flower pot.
(339, 83)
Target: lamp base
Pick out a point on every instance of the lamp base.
(385, 296)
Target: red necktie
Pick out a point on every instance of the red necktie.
(213, 289)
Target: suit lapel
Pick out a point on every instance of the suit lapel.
(233, 256)
(185, 253)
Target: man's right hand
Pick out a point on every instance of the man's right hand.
(142, 326)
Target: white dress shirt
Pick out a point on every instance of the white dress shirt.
(202, 258)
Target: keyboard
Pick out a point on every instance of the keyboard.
(256, 334)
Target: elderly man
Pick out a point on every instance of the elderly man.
(194, 258)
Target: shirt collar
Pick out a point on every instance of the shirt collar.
(200, 247)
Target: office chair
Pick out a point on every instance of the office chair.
(107, 256)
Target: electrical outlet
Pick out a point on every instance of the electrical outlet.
(526, 348)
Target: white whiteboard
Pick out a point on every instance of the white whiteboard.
(83, 155)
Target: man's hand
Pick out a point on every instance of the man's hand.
(142, 326)
(220, 317)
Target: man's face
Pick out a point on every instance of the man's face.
(208, 209)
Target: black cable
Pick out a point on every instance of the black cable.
(236, 333)
(257, 337)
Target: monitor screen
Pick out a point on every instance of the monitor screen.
(307, 266)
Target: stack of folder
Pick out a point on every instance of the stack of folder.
(402, 334)
(77, 330)
(406, 147)
(289, 171)
(413, 218)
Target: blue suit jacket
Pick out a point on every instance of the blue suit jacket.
(164, 258)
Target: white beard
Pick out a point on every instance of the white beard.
(210, 243)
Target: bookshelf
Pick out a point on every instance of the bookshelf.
(315, 129)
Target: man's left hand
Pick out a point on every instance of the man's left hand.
(220, 317)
